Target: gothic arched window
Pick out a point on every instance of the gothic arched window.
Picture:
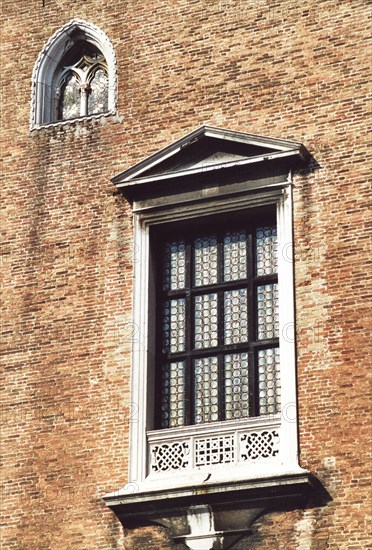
(82, 87)
(74, 76)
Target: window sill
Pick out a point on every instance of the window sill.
(72, 121)
(206, 482)
(212, 515)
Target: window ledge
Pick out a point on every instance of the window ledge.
(205, 483)
(212, 515)
(216, 427)
(70, 121)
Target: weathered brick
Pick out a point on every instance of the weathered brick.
(284, 69)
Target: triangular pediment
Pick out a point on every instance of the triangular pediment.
(204, 150)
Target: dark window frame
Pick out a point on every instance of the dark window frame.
(248, 220)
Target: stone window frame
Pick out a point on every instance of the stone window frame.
(144, 439)
(46, 73)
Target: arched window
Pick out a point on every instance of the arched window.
(82, 86)
(75, 76)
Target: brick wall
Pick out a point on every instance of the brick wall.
(284, 69)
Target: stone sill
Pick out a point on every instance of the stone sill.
(293, 485)
(72, 121)
(213, 516)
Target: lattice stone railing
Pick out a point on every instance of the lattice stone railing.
(179, 450)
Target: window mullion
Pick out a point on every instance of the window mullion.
(251, 328)
(221, 330)
(84, 90)
(189, 331)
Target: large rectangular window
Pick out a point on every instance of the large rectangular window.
(217, 319)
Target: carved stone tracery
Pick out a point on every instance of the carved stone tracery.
(44, 90)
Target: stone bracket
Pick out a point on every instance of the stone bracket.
(213, 517)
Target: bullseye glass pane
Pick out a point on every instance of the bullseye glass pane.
(205, 321)
(236, 316)
(269, 380)
(98, 96)
(70, 99)
(266, 251)
(205, 390)
(175, 266)
(174, 326)
(205, 261)
(173, 395)
(235, 256)
(236, 386)
(267, 312)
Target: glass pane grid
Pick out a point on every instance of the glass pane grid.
(173, 395)
(266, 251)
(236, 386)
(269, 381)
(218, 318)
(206, 390)
(205, 254)
(267, 312)
(206, 326)
(235, 256)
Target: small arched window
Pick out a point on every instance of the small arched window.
(82, 86)
(75, 76)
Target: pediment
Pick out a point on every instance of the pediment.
(205, 150)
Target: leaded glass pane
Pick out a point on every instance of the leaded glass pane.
(205, 250)
(206, 389)
(267, 312)
(174, 326)
(266, 251)
(98, 96)
(236, 316)
(70, 98)
(175, 266)
(173, 395)
(235, 256)
(269, 380)
(236, 386)
(220, 386)
(206, 321)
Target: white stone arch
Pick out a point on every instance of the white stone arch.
(47, 65)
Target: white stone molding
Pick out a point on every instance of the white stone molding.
(46, 70)
(155, 454)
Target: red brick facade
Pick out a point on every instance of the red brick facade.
(296, 71)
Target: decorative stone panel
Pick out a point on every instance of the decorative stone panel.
(214, 450)
(172, 456)
(206, 445)
(259, 445)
